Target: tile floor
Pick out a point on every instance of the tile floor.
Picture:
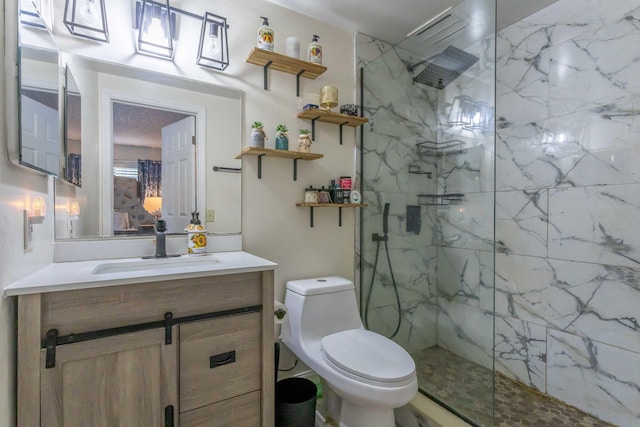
(468, 389)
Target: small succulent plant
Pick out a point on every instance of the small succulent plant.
(256, 125)
(281, 128)
(305, 131)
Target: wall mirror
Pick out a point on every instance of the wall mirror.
(148, 144)
(38, 112)
(100, 77)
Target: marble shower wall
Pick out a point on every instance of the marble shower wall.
(400, 115)
(568, 203)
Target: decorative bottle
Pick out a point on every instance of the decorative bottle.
(314, 51)
(265, 35)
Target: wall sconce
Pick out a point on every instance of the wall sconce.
(156, 25)
(86, 18)
(213, 51)
(34, 214)
(29, 15)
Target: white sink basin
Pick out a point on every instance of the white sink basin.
(184, 261)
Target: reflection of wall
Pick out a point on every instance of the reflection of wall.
(130, 152)
(568, 187)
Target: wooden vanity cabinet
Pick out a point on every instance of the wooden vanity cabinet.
(208, 364)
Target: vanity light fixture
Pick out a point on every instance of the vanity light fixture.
(213, 51)
(156, 25)
(87, 18)
(74, 210)
(482, 117)
(461, 111)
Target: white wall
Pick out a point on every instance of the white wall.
(272, 226)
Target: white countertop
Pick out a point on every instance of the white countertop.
(65, 276)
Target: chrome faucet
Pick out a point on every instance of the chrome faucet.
(161, 241)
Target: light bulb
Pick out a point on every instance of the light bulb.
(212, 46)
(155, 32)
(88, 13)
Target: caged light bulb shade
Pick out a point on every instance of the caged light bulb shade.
(213, 49)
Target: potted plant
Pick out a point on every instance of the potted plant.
(257, 135)
(304, 141)
(282, 138)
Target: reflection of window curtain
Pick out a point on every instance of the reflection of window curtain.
(149, 175)
(73, 169)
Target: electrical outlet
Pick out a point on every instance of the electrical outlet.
(210, 215)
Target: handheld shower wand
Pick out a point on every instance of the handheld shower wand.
(384, 238)
(385, 219)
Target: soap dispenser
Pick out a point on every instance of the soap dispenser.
(197, 236)
(265, 35)
(314, 51)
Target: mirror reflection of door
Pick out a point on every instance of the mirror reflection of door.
(140, 158)
(40, 140)
(178, 166)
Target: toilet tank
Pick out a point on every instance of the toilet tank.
(321, 306)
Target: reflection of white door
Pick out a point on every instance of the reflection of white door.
(40, 135)
(178, 185)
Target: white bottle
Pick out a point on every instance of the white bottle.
(292, 47)
(314, 51)
(265, 35)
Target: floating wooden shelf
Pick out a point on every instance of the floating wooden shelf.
(282, 154)
(316, 114)
(330, 205)
(286, 64)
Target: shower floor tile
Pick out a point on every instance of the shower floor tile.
(468, 389)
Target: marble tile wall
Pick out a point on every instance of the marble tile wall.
(567, 203)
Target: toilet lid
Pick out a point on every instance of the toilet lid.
(368, 355)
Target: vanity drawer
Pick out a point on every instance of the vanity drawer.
(240, 411)
(93, 309)
(219, 359)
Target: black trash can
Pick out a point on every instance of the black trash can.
(295, 403)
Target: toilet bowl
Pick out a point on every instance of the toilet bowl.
(367, 375)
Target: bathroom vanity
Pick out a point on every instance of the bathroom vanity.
(132, 344)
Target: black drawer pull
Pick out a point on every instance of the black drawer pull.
(222, 359)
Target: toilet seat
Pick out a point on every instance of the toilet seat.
(368, 357)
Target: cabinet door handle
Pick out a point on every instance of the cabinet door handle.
(168, 416)
(222, 359)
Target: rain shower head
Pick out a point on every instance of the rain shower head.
(444, 67)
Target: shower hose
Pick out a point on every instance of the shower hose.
(378, 239)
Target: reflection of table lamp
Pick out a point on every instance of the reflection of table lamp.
(74, 210)
(153, 205)
(328, 97)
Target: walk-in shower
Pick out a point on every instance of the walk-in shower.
(426, 280)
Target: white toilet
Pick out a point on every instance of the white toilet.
(368, 375)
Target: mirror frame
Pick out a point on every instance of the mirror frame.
(66, 92)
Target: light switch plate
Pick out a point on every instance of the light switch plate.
(210, 215)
